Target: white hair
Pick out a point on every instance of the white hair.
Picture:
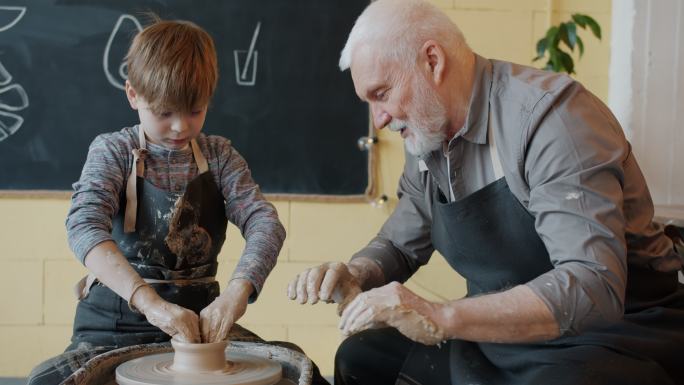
(398, 29)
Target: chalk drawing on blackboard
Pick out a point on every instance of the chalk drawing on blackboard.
(119, 81)
(5, 76)
(12, 97)
(9, 124)
(20, 11)
(243, 59)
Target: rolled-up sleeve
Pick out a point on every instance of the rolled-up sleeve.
(574, 167)
(256, 218)
(404, 242)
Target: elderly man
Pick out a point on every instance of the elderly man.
(524, 182)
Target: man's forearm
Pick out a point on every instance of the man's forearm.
(513, 316)
(367, 272)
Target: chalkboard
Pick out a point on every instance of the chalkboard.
(281, 98)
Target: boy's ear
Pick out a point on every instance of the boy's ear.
(131, 95)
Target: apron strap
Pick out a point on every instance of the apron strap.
(493, 153)
(82, 287)
(138, 169)
(199, 157)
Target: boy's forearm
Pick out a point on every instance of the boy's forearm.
(106, 262)
(263, 242)
(239, 288)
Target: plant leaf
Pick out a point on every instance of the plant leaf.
(580, 44)
(571, 29)
(549, 63)
(595, 27)
(554, 59)
(565, 30)
(541, 47)
(566, 62)
(552, 37)
(580, 19)
(563, 33)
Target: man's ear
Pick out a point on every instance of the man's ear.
(132, 96)
(434, 59)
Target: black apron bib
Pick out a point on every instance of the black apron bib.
(105, 319)
(489, 238)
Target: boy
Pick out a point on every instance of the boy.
(149, 213)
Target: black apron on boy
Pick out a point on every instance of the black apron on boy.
(489, 238)
(172, 241)
(193, 223)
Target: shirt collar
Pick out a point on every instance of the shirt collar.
(158, 149)
(475, 128)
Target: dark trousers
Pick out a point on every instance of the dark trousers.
(379, 357)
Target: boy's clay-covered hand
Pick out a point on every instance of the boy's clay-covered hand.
(178, 322)
(111, 268)
(218, 318)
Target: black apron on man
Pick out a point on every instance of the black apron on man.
(489, 238)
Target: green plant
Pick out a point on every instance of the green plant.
(558, 59)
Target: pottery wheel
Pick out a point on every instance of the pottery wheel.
(241, 369)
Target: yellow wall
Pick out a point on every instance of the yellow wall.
(39, 271)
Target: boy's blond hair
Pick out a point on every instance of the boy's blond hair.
(172, 65)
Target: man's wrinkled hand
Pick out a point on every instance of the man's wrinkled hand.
(395, 306)
(329, 282)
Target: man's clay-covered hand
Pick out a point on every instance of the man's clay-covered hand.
(329, 282)
(395, 306)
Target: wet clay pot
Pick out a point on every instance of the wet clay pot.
(199, 358)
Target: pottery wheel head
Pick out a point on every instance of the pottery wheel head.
(241, 369)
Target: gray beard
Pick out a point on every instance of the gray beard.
(423, 142)
(428, 126)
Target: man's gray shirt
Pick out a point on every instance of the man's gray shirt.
(565, 158)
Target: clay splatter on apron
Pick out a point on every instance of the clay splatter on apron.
(190, 242)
